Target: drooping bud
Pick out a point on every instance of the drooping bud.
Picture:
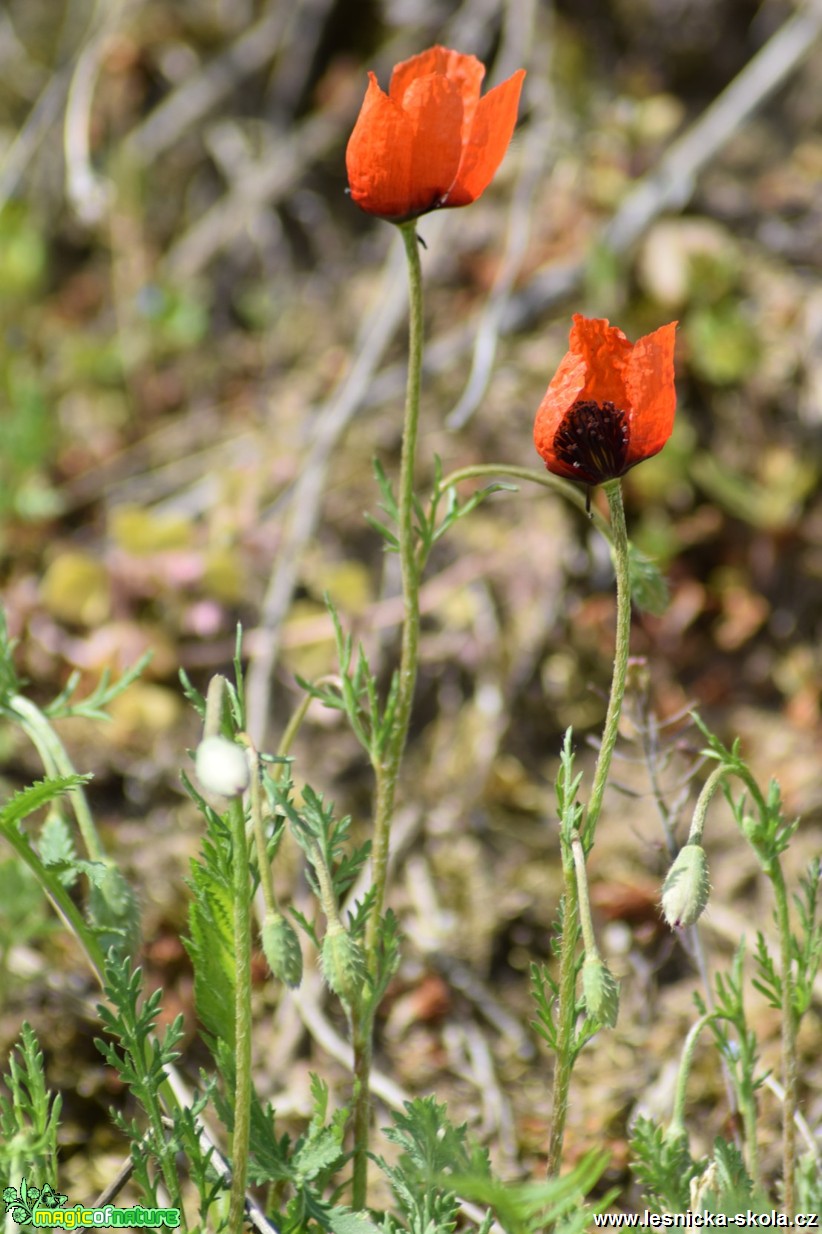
(685, 891)
(343, 963)
(282, 949)
(601, 991)
(222, 767)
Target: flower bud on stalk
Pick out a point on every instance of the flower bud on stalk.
(685, 892)
(601, 991)
(282, 949)
(343, 963)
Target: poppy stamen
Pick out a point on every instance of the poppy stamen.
(593, 438)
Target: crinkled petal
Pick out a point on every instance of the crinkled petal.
(378, 155)
(433, 106)
(560, 397)
(466, 72)
(606, 353)
(486, 141)
(651, 393)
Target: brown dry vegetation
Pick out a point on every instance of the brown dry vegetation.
(182, 304)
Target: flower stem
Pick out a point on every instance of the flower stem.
(387, 768)
(242, 1018)
(789, 1034)
(57, 763)
(566, 1014)
(619, 548)
(676, 1127)
(387, 764)
(583, 905)
(566, 1051)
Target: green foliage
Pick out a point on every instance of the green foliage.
(567, 787)
(210, 942)
(740, 1049)
(303, 1171)
(431, 523)
(439, 1166)
(140, 1058)
(431, 1148)
(445, 509)
(29, 1114)
(356, 694)
(808, 946)
(131, 1020)
(733, 1191)
(324, 839)
(663, 1167)
(93, 706)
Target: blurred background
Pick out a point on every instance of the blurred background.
(201, 352)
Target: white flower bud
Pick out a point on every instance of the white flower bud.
(222, 767)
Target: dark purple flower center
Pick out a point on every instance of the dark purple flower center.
(593, 440)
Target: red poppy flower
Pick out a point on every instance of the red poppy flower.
(610, 404)
(431, 141)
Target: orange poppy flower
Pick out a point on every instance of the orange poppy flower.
(431, 141)
(610, 404)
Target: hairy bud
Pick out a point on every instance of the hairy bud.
(282, 949)
(601, 991)
(343, 963)
(685, 892)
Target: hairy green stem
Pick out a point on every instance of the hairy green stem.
(703, 801)
(565, 1054)
(789, 1034)
(567, 1000)
(242, 1018)
(676, 1127)
(619, 548)
(57, 763)
(362, 1032)
(387, 765)
(583, 906)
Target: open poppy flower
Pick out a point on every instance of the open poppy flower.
(431, 141)
(610, 404)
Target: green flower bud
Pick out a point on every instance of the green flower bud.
(222, 767)
(601, 991)
(685, 892)
(282, 949)
(343, 963)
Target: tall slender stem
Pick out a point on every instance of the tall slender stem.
(566, 1051)
(789, 1034)
(387, 765)
(387, 768)
(619, 548)
(565, 1054)
(57, 763)
(242, 1018)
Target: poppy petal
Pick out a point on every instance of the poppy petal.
(486, 141)
(564, 390)
(466, 71)
(433, 106)
(431, 141)
(651, 392)
(606, 352)
(378, 155)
